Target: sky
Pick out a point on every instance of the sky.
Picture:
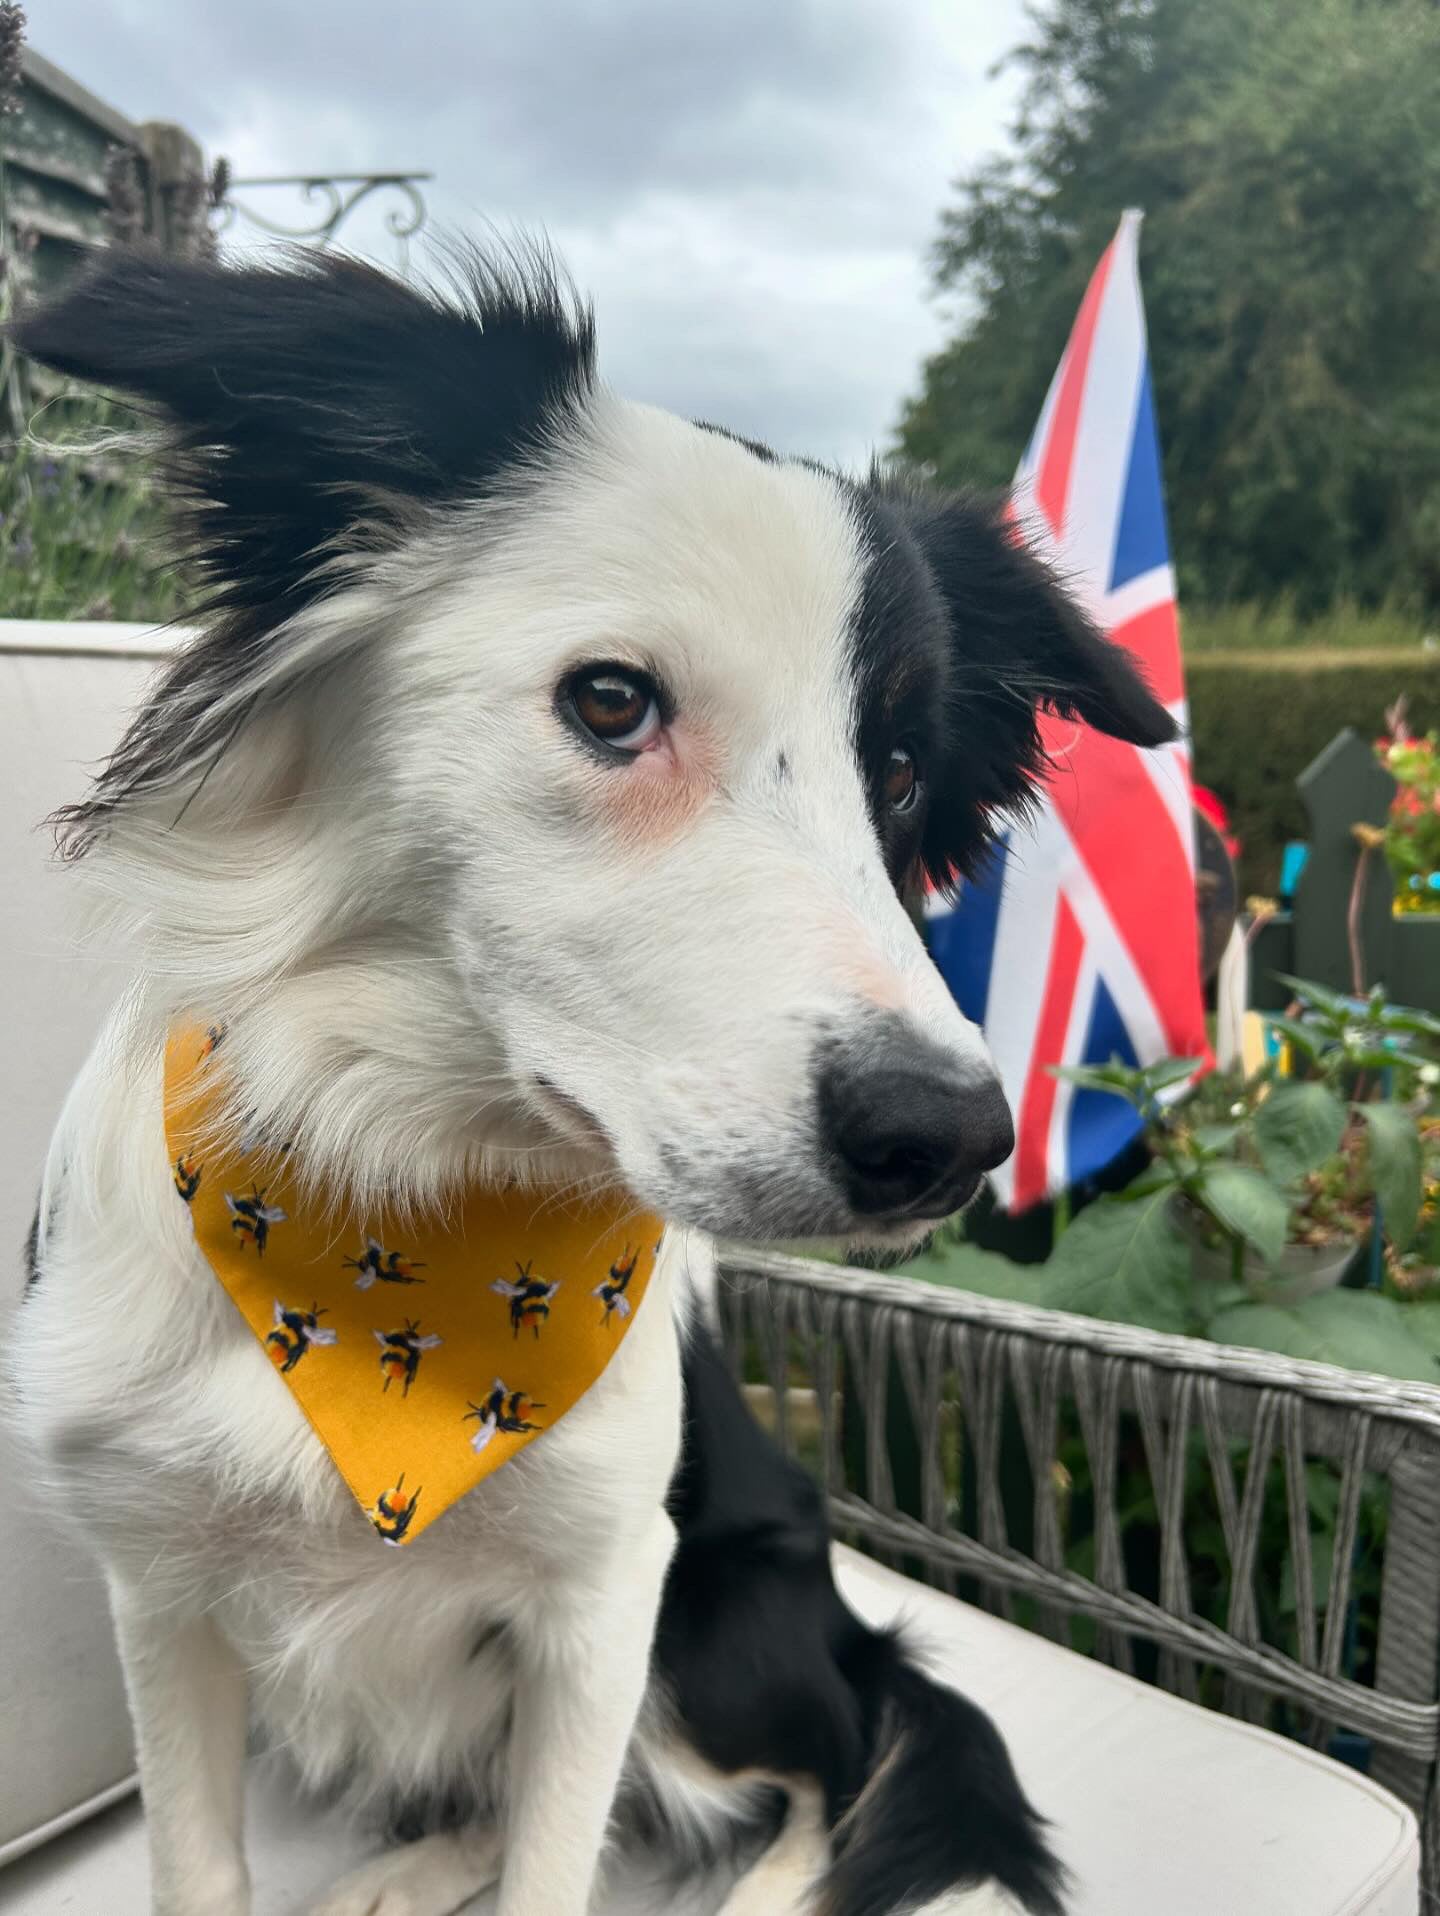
(747, 190)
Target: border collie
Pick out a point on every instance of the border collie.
(535, 802)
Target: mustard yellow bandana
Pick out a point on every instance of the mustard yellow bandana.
(424, 1358)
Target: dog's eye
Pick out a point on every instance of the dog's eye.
(619, 708)
(902, 779)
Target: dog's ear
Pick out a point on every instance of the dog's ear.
(1018, 642)
(308, 407)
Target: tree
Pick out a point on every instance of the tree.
(1287, 156)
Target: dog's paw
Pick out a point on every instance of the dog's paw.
(433, 1877)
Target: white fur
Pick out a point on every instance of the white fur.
(436, 943)
(406, 864)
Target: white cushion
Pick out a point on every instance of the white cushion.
(64, 1733)
(1159, 1808)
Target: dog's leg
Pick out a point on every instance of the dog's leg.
(430, 1878)
(783, 1880)
(581, 1681)
(187, 1703)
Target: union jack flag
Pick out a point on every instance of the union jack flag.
(1078, 942)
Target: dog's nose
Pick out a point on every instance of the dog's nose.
(909, 1132)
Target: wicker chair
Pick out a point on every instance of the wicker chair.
(951, 1432)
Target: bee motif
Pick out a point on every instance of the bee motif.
(612, 1292)
(252, 1217)
(529, 1298)
(377, 1265)
(400, 1353)
(294, 1333)
(187, 1176)
(503, 1409)
(394, 1511)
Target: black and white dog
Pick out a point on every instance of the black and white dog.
(535, 803)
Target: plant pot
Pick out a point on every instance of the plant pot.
(1300, 1271)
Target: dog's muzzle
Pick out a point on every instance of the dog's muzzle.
(909, 1131)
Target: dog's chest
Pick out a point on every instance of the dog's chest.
(398, 1665)
(386, 1682)
(387, 1668)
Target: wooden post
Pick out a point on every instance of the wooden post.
(178, 188)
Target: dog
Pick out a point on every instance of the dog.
(539, 803)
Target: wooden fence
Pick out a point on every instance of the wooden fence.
(76, 172)
(1335, 921)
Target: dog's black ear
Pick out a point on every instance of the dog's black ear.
(306, 406)
(1018, 642)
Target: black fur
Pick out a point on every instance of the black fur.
(306, 411)
(961, 633)
(770, 1670)
(900, 647)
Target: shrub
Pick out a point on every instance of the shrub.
(1258, 718)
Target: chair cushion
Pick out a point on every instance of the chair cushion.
(1158, 1807)
(64, 1732)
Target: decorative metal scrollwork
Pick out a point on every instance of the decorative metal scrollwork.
(338, 194)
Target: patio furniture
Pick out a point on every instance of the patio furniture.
(929, 1407)
(946, 1428)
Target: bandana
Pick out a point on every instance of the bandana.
(423, 1357)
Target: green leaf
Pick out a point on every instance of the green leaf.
(1119, 1081)
(1158, 1177)
(1336, 1003)
(1394, 1168)
(1221, 1296)
(1423, 1322)
(1383, 1059)
(1171, 1071)
(1297, 1127)
(1247, 1205)
(1304, 1037)
(966, 1267)
(1405, 1018)
(1214, 1138)
(1123, 1261)
(1359, 1330)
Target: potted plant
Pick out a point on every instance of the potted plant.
(1277, 1181)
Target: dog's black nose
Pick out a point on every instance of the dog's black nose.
(909, 1132)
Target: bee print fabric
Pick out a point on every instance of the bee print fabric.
(424, 1356)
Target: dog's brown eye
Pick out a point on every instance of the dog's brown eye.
(620, 709)
(902, 780)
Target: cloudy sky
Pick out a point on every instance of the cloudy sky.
(747, 187)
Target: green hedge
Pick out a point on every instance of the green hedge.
(1258, 718)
